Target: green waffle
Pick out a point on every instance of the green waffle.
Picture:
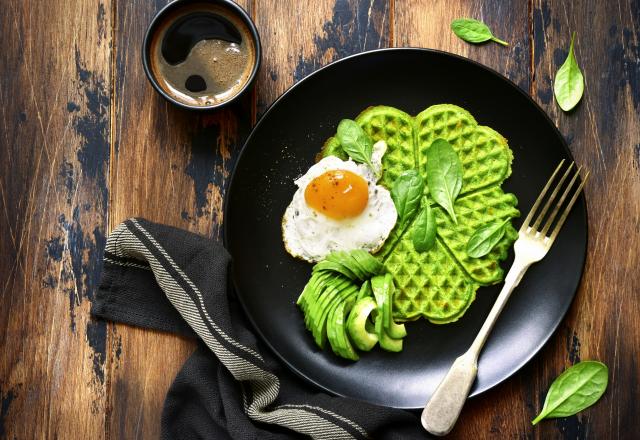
(441, 284)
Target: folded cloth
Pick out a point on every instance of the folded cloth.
(232, 387)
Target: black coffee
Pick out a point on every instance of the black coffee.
(202, 54)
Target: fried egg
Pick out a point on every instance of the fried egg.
(339, 206)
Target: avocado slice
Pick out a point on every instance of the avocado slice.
(357, 262)
(328, 265)
(386, 342)
(396, 331)
(310, 291)
(345, 258)
(365, 290)
(383, 290)
(318, 312)
(357, 323)
(367, 263)
(339, 317)
(311, 295)
(331, 330)
(321, 318)
(334, 285)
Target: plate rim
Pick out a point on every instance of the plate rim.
(390, 50)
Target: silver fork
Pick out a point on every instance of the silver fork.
(441, 412)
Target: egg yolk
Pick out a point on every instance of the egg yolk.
(338, 194)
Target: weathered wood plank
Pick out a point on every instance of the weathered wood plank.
(603, 133)
(298, 40)
(170, 166)
(422, 23)
(54, 159)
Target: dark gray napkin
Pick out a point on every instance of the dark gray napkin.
(232, 387)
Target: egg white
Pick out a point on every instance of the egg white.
(310, 235)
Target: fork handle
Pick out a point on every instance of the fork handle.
(516, 272)
(442, 411)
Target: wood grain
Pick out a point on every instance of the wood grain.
(300, 40)
(85, 143)
(169, 166)
(54, 158)
(603, 133)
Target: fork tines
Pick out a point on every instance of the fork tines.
(559, 204)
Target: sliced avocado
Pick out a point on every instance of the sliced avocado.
(321, 318)
(332, 331)
(350, 263)
(315, 291)
(309, 293)
(358, 262)
(306, 291)
(308, 297)
(334, 285)
(396, 331)
(365, 290)
(386, 342)
(380, 288)
(357, 323)
(346, 349)
(328, 265)
(318, 313)
(368, 264)
(383, 290)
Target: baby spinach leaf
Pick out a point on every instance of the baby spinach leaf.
(474, 31)
(568, 86)
(406, 193)
(485, 238)
(355, 142)
(444, 175)
(424, 230)
(575, 389)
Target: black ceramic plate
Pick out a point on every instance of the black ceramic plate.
(283, 145)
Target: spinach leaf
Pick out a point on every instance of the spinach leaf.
(355, 142)
(406, 193)
(444, 175)
(485, 238)
(568, 86)
(575, 389)
(424, 230)
(474, 31)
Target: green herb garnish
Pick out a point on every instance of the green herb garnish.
(485, 238)
(355, 142)
(406, 193)
(575, 389)
(444, 175)
(424, 230)
(568, 86)
(474, 31)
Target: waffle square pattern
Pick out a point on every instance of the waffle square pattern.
(440, 284)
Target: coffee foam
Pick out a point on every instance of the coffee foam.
(226, 77)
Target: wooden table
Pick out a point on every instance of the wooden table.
(86, 143)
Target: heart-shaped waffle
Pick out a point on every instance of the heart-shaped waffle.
(440, 284)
